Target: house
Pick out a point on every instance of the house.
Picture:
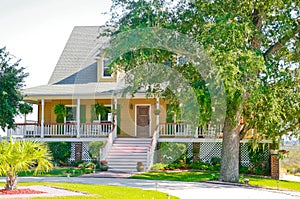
(131, 127)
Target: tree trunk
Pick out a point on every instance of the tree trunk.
(230, 153)
(11, 182)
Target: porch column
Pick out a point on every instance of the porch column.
(115, 116)
(42, 118)
(78, 117)
(157, 115)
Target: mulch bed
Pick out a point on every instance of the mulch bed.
(19, 191)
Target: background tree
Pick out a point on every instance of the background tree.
(11, 80)
(16, 156)
(255, 47)
(25, 109)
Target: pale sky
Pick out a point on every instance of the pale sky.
(36, 31)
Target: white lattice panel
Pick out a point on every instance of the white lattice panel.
(189, 149)
(209, 150)
(72, 157)
(85, 152)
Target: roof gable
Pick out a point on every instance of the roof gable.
(78, 54)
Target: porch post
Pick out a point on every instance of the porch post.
(157, 115)
(78, 117)
(43, 118)
(115, 116)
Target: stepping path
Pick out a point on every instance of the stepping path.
(184, 190)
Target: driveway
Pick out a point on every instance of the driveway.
(184, 190)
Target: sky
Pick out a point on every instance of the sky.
(36, 31)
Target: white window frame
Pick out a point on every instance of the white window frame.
(103, 69)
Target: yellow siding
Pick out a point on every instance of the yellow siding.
(127, 115)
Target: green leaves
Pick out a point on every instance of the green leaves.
(11, 81)
(16, 156)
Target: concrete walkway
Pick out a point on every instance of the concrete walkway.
(184, 190)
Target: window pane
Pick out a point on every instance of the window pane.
(71, 113)
(105, 69)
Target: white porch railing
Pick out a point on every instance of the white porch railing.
(152, 147)
(108, 144)
(186, 130)
(61, 130)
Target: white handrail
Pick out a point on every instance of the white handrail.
(108, 144)
(186, 130)
(152, 147)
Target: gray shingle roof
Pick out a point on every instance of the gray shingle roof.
(78, 55)
(90, 89)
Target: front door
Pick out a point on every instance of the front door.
(142, 121)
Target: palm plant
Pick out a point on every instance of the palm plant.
(16, 156)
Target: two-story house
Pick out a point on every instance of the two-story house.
(131, 126)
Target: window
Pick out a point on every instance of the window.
(104, 118)
(106, 72)
(71, 113)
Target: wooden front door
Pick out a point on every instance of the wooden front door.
(142, 121)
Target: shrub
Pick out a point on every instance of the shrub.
(159, 167)
(94, 149)
(87, 165)
(244, 170)
(215, 160)
(61, 152)
(172, 152)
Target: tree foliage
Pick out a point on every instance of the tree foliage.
(255, 48)
(16, 156)
(11, 81)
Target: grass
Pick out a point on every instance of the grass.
(184, 176)
(274, 184)
(101, 192)
(188, 176)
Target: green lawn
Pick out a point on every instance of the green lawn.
(101, 192)
(187, 176)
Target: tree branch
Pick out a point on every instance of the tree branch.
(257, 21)
(281, 42)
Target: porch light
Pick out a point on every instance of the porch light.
(131, 106)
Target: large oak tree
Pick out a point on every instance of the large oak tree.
(255, 48)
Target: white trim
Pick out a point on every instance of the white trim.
(42, 118)
(135, 117)
(78, 117)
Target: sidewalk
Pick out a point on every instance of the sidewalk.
(290, 178)
(184, 190)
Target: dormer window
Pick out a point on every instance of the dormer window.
(106, 71)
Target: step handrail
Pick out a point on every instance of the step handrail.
(108, 144)
(152, 147)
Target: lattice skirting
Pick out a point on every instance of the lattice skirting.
(84, 152)
(209, 150)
